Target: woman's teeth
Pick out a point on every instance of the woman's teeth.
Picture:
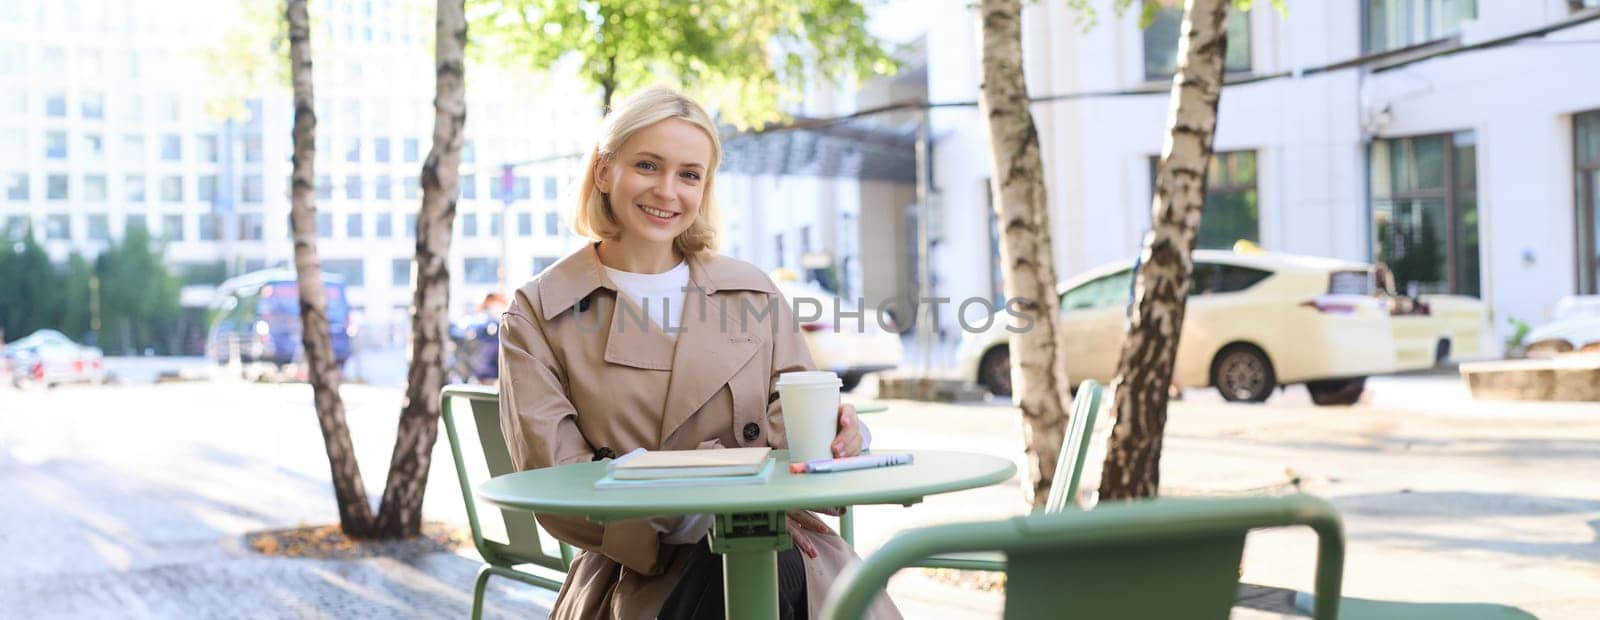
(657, 212)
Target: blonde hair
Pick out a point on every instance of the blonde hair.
(593, 217)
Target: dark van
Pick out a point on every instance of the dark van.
(258, 314)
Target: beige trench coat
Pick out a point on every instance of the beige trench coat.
(580, 377)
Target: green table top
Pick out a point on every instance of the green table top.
(569, 489)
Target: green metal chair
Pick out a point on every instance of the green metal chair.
(1351, 608)
(1165, 558)
(523, 545)
(1069, 473)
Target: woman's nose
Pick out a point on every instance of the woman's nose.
(663, 188)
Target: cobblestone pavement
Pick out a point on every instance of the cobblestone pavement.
(130, 500)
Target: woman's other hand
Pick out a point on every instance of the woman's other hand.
(847, 441)
(803, 525)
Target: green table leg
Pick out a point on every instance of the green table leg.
(749, 544)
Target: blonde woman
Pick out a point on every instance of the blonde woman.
(584, 376)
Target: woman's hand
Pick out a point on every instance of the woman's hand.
(802, 526)
(847, 441)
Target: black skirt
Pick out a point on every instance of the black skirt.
(699, 595)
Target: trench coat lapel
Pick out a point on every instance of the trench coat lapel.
(711, 347)
(632, 338)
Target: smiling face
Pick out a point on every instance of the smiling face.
(657, 180)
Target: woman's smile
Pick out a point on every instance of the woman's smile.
(658, 216)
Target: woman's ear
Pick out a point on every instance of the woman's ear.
(602, 175)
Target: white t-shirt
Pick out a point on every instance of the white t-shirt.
(660, 295)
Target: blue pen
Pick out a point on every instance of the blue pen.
(850, 463)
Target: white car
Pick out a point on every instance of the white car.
(1575, 326)
(852, 348)
(49, 357)
(1254, 321)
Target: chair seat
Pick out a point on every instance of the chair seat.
(1361, 608)
(971, 560)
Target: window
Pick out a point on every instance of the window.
(172, 188)
(351, 268)
(171, 147)
(55, 187)
(494, 224)
(133, 188)
(523, 189)
(1232, 211)
(324, 187)
(481, 270)
(469, 225)
(541, 263)
(14, 102)
(55, 144)
(352, 187)
(352, 150)
(353, 226)
(1161, 41)
(94, 146)
(469, 152)
(17, 227)
(468, 186)
(524, 224)
(552, 224)
(208, 189)
(54, 62)
(206, 146)
(134, 220)
(1393, 24)
(13, 144)
(55, 104)
(400, 271)
(252, 148)
(210, 227)
(1425, 211)
(93, 105)
(382, 187)
(550, 188)
(380, 150)
(411, 226)
(172, 227)
(251, 227)
(94, 187)
(99, 227)
(133, 148)
(57, 226)
(13, 58)
(409, 146)
(1101, 292)
(411, 188)
(132, 108)
(169, 108)
(1586, 152)
(253, 189)
(383, 226)
(351, 113)
(17, 186)
(1216, 278)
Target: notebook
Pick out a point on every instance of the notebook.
(661, 464)
(609, 481)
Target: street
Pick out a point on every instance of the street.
(130, 500)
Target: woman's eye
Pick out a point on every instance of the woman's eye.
(693, 176)
(645, 165)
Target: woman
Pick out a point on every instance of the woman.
(585, 375)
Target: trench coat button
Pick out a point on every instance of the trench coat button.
(583, 305)
(751, 431)
(604, 452)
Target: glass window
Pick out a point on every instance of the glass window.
(206, 144)
(93, 104)
(1393, 24)
(172, 188)
(134, 220)
(170, 109)
(172, 227)
(94, 187)
(53, 62)
(55, 187)
(400, 271)
(13, 58)
(171, 147)
(380, 150)
(410, 150)
(1215, 278)
(383, 226)
(469, 225)
(481, 270)
(411, 226)
(132, 107)
(17, 186)
(253, 189)
(14, 102)
(55, 144)
(94, 146)
(133, 188)
(411, 188)
(55, 104)
(1101, 292)
(468, 186)
(1232, 211)
(353, 226)
(381, 187)
(523, 189)
(494, 224)
(210, 226)
(541, 263)
(1586, 154)
(352, 187)
(1161, 41)
(17, 227)
(1424, 211)
(324, 225)
(352, 269)
(550, 188)
(525, 224)
(552, 224)
(99, 227)
(324, 187)
(251, 227)
(13, 144)
(469, 152)
(208, 189)
(351, 114)
(252, 148)
(133, 148)
(352, 150)
(57, 226)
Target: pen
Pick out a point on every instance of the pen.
(850, 463)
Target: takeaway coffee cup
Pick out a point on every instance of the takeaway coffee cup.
(810, 413)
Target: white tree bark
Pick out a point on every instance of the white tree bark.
(1039, 375)
(1161, 289)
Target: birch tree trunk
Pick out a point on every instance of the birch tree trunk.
(401, 511)
(355, 514)
(1161, 289)
(1039, 374)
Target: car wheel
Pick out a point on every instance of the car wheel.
(1441, 351)
(1242, 373)
(994, 371)
(1336, 391)
(848, 381)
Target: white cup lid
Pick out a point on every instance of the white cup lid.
(809, 378)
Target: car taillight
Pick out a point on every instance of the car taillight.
(38, 370)
(814, 327)
(77, 365)
(1327, 306)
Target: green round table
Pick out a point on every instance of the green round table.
(750, 525)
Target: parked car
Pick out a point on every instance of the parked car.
(257, 316)
(1433, 329)
(1574, 326)
(49, 357)
(850, 348)
(1254, 321)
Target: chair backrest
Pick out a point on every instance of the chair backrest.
(1176, 558)
(522, 544)
(1074, 448)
